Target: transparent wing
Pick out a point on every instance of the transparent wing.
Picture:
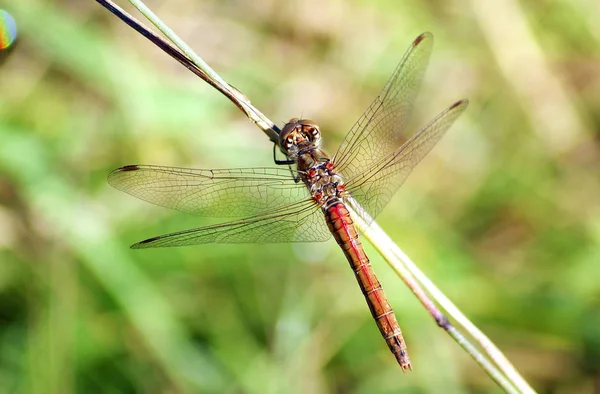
(300, 222)
(378, 132)
(374, 188)
(218, 193)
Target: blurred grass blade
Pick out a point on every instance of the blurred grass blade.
(149, 313)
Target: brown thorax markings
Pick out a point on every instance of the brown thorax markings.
(300, 140)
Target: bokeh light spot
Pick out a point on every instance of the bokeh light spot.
(8, 30)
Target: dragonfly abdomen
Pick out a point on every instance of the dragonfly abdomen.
(342, 227)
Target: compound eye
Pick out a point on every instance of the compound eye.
(286, 137)
(311, 129)
(314, 133)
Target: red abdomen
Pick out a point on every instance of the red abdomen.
(342, 227)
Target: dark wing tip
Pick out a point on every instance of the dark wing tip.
(144, 244)
(131, 167)
(420, 38)
(114, 173)
(463, 102)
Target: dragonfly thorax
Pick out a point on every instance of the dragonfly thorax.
(325, 184)
(299, 136)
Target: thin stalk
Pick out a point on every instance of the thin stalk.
(201, 69)
(411, 276)
(504, 374)
(492, 350)
(252, 112)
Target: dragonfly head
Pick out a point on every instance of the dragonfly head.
(299, 136)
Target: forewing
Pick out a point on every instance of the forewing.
(217, 193)
(378, 132)
(299, 222)
(374, 188)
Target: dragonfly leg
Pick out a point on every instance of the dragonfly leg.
(285, 162)
(296, 178)
(280, 162)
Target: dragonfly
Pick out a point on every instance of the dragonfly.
(310, 200)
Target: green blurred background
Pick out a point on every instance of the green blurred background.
(503, 215)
